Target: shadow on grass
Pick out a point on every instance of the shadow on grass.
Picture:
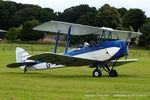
(50, 75)
(17, 73)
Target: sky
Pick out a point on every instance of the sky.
(61, 5)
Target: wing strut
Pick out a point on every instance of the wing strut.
(57, 38)
(103, 35)
(68, 36)
(110, 36)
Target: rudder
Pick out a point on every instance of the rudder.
(21, 55)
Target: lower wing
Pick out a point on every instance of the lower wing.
(62, 59)
(122, 62)
(118, 62)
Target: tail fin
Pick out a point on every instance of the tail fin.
(21, 55)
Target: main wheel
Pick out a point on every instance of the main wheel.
(113, 73)
(97, 73)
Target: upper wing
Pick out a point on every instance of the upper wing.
(61, 59)
(78, 29)
(15, 65)
(122, 62)
(125, 34)
(120, 34)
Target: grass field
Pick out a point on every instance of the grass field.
(73, 83)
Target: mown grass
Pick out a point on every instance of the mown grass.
(73, 83)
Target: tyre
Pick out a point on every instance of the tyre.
(97, 73)
(113, 73)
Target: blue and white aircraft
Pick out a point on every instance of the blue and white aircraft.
(112, 45)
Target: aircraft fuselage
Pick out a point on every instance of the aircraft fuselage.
(101, 52)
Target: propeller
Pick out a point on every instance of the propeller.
(131, 28)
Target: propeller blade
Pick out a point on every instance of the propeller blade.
(131, 28)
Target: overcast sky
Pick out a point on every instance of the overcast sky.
(61, 5)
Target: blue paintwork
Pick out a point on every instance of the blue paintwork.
(120, 43)
(48, 65)
(123, 49)
(106, 44)
(68, 36)
(57, 38)
(38, 62)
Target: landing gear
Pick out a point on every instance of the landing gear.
(25, 69)
(113, 73)
(97, 73)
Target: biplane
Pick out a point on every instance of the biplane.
(102, 55)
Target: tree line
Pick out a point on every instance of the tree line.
(26, 15)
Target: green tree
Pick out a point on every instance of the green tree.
(122, 11)
(108, 16)
(7, 10)
(134, 18)
(36, 13)
(148, 20)
(14, 14)
(28, 34)
(12, 34)
(145, 37)
(72, 14)
(87, 19)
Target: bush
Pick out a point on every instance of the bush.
(12, 34)
(28, 34)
